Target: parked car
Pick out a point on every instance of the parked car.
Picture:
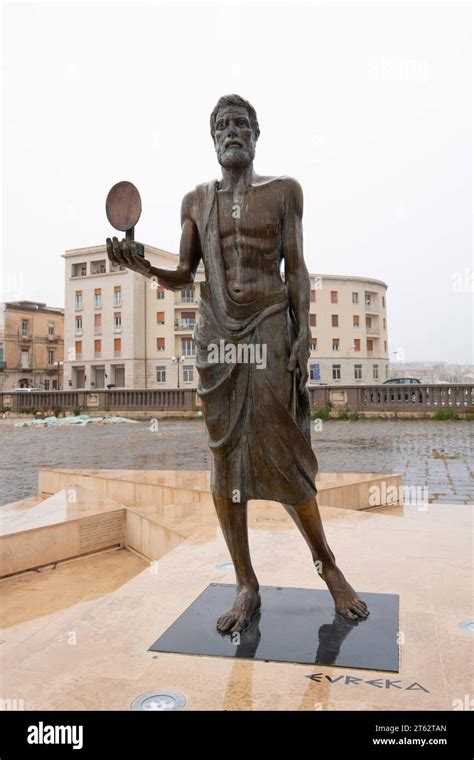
(402, 381)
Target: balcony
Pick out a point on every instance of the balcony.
(186, 301)
(98, 267)
(372, 308)
(373, 331)
(184, 325)
(25, 336)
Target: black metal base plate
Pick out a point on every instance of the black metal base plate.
(293, 625)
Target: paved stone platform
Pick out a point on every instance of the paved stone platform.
(77, 637)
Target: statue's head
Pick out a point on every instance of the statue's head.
(235, 131)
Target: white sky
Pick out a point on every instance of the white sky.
(368, 105)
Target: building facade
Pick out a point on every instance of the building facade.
(126, 331)
(348, 322)
(31, 346)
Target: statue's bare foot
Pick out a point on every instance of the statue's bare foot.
(237, 619)
(345, 598)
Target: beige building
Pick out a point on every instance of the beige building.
(348, 321)
(31, 346)
(124, 330)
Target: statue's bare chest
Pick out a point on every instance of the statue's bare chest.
(251, 214)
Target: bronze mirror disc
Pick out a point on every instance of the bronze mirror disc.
(123, 206)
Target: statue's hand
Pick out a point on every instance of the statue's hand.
(298, 361)
(130, 254)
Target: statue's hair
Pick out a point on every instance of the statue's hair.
(235, 100)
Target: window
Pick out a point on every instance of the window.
(336, 371)
(78, 349)
(188, 373)
(355, 320)
(357, 371)
(313, 296)
(187, 295)
(51, 329)
(375, 371)
(97, 324)
(117, 295)
(78, 300)
(117, 321)
(314, 373)
(385, 346)
(97, 348)
(55, 385)
(78, 330)
(335, 344)
(160, 344)
(97, 298)
(160, 317)
(334, 320)
(383, 302)
(161, 374)
(188, 347)
(25, 361)
(50, 356)
(46, 385)
(333, 296)
(368, 323)
(24, 327)
(386, 370)
(160, 294)
(384, 324)
(313, 344)
(1, 355)
(356, 344)
(370, 344)
(117, 346)
(312, 320)
(355, 298)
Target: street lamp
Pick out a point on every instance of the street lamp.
(178, 360)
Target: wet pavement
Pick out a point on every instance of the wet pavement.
(428, 454)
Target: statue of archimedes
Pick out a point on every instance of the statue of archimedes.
(252, 349)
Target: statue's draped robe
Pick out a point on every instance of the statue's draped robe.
(258, 424)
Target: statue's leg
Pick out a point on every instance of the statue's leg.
(233, 522)
(308, 522)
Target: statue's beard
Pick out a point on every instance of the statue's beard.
(235, 158)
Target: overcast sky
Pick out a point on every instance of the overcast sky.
(368, 105)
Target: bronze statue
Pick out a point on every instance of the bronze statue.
(252, 349)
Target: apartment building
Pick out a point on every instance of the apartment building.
(126, 331)
(31, 346)
(348, 322)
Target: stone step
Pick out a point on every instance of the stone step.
(73, 522)
(136, 488)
